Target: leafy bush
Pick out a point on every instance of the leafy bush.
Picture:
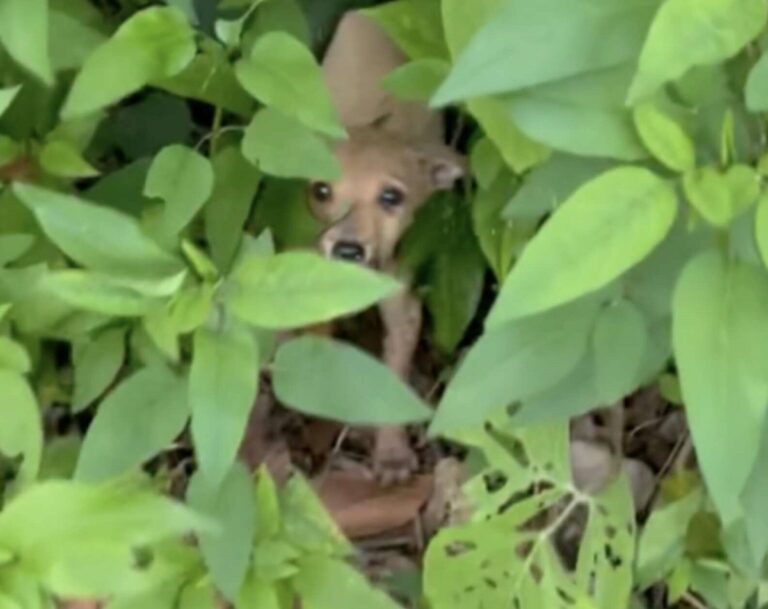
(152, 158)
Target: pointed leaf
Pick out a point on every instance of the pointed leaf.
(97, 362)
(21, 434)
(665, 138)
(24, 34)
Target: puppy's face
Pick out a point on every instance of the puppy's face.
(384, 181)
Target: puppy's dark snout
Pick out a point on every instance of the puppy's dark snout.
(350, 251)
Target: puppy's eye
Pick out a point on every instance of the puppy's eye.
(391, 198)
(321, 191)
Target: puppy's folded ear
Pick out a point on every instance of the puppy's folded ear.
(443, 165)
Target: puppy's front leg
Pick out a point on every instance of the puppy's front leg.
(393, 458)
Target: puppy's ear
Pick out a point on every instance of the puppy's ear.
(443, 165)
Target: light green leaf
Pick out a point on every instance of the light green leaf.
(226, 213)
(721, 197)
(665, 138)
(24, 34)
(97, 237)
(720, 337)
(281, 146)
(98, 293)
(515, 361)
(756, 91)
(662, 541)
(297, 289)
(13, 356)
(154, 44)
(138, 419)
(97, 361)
(258, 593)
(62, 159)
(605, 228)
(7, 95)
(223, 381)
(328, 582)
(337, 381)
(416, 80)
(688, 33)
(76, 30)
(618, 343)
(184, 179)
(761, 228)
(568, 39)
(414, 26)
(281, 72)
(21, 434)
(486, 162)
(231, 505)
(14, 246)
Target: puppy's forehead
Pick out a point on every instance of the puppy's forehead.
(375, 153)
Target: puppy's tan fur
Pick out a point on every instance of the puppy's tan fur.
(392, 146)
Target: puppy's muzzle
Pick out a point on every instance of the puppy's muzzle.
(349, 251)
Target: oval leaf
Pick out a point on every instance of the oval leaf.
(154, 44)
(297, 289)
(606, 227)
(665, 138)
(97, 362)
(21, 434)
(325, 378)
(720, 338)
(24, 32)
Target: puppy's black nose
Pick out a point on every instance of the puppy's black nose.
(350, 251)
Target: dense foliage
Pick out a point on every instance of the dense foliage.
(152, 166)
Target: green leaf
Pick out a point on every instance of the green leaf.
(605, 228)
(258, 593)
(13, 356)
(414, 26)
(97, 362)
(662, 541)
(21, 434)
(761, 228)
(154, 44)
(223, 381)
(138, 419)
(184, 179)
(227, 552)
(281, 72)
(337, 381)
(98, 293)
(14, 246)
(486, 162)
(514, 361)
(619, 343)
(756, 91)
(329, 582)
(61, 159)
(282, 146)
(97, 237)
(227, 211)
(416, 80)
(297, 289)
(688, 33)
(80, 540)
(665, 138)
(721, 197)
(24, 34)
(720, 337)
(569, 39)
(7, 95)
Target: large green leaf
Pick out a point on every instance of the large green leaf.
(605, 228)
(282, 146)
(756, 90)
(14, 246)
(230, 204)
(97, 361)
(227, 552)
(337, 381)
(297, 289)
(21, 434)
(223, 381)
(138, 419)
(97, 237)
(720, 336)
(154, 44)
(281, 72)
(7, 95)
(183, 178)
(567, 38)
(413, 25)
(688, 33)
(515, 361)
(24, 34)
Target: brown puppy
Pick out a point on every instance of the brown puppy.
(393, 160)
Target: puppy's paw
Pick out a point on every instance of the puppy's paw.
(393, 463)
